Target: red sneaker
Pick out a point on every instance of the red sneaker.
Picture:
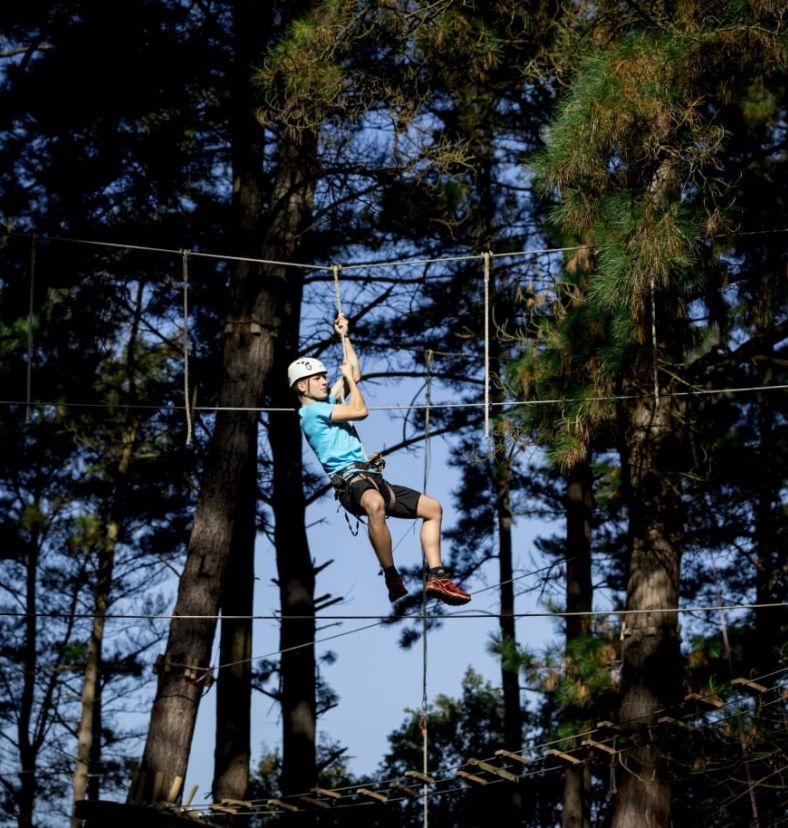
(396, 587)
(444, 589)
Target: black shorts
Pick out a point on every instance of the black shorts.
(349, 494)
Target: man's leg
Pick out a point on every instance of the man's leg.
(380, 537)
(373, 504)
(430, 510)
(439, 584)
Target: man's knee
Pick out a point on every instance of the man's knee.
(373, 504)
(429, 508)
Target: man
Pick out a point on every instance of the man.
(361, 489)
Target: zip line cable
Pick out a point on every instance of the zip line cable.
(460, 615)
(386, 620)
(298, 265)
(335, 271)
(167, 250)
(382, 621)
(350, 266)
(486, 258)
(698, 392)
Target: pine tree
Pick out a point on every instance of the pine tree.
(643, 122)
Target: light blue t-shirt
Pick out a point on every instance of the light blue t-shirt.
(336, 445)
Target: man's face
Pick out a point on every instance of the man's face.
(316, 386)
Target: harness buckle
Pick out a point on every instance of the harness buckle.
(376, 462)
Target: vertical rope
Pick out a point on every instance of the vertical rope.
(31, 299)
(486, 257)
(428, 355)
(335, 270)
(654, 339)
(186, 400)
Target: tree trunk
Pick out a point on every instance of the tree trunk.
(27, 748)
(651, 669)
(579, 598)
(232, 750)
(771, 625)
(88, 739)
(501, 473)
(510, 679)
(291, 214)
(247, 361)
(89, 733)
(510, 676)
(295, 570)
(296, 579)
(250, 334)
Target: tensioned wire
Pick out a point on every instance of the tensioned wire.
(350, 266)
(485, 257)
(412, 616)
(386, 620)
(381, 619)
(185, 274)
(699, 392)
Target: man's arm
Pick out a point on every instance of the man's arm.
(340, 388)
(355, 408)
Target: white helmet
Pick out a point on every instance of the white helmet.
(302, 368)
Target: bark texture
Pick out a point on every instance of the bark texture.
(576, 811)
(651, 659)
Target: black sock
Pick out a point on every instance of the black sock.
(389, 571)
(438, 572)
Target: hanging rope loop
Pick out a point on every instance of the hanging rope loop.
(487, 257)
(185, 339)
(335, 271)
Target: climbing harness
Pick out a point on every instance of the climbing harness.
(371, 472)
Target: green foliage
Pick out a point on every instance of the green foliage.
(302, 80)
